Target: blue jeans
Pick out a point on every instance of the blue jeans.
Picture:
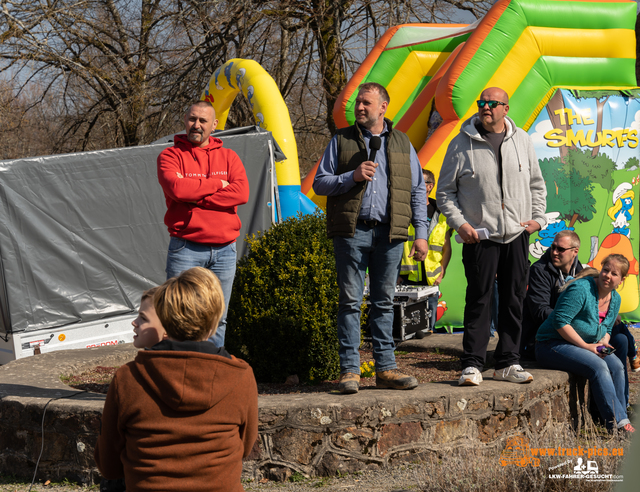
(368, 248)
(605, 375)
(221, 260)
(432, 305)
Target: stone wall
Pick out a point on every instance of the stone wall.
(70, 432)
(344, 434)
(314, 434)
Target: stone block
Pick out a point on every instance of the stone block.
(279, 473)
(408, 410)
(495, 426)
(534, 395)
(256, 451)
(435, 409)
(457, 406)
(354, 439)
(451, 430)
(13, 438)
(57, 447)
(538, 414)
(295, 444)
(503, 403)
(559, 408)
(84, 447)
(351, 413)
(371, 416)
(65, 421)
(333, 464)
(397, 434)
(315, 434)
(477, 405)
(270, 417)
(314, 416)
(462, 406)
(94, 423)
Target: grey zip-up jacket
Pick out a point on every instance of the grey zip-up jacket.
(469, 189)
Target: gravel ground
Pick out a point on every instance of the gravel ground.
(393, 480)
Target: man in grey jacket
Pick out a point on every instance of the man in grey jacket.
(490, 179)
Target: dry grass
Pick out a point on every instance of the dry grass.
(472, 470)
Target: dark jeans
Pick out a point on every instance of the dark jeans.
(624, 343)
(495, 306)
(482, 262)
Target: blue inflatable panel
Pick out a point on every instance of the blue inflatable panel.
(293, 201)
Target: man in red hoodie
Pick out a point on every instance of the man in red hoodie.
(203, 185)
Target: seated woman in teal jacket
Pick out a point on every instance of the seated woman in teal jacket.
(576, 335)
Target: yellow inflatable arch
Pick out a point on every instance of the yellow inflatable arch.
(270, 113)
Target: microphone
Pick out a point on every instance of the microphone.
(374, 147)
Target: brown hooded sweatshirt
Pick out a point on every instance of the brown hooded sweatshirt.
(179, 420)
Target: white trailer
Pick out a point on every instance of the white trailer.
(112, 331)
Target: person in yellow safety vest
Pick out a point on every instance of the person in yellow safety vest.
(432, 270)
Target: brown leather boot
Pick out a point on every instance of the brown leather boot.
(394, 379)
(349, 383)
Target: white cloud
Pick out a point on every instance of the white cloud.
(538, 136)
(636, 122)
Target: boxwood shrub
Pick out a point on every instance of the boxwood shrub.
(282, 313)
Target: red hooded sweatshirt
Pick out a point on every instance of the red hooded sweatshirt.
(199, 209)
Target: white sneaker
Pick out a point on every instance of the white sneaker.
(470, 377)
(513, 374)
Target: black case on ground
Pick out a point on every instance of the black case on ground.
(409, 318)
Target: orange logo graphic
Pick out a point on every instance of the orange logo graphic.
(517, 452)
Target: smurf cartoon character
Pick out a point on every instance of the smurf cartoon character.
(240, 77)
(227, 74)
(250, 92)
(216, 74)
(547, 235)
(622, 209)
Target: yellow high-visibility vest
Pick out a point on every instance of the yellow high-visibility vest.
(433, 261)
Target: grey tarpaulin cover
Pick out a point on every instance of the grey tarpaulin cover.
(82, 235)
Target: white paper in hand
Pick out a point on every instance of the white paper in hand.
(483, 233)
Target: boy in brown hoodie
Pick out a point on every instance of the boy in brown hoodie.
(184, 413)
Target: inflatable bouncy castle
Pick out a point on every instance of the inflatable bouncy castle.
(569, 68)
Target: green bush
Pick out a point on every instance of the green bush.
(283, 310)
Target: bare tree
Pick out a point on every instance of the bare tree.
(341, 30)
(119, 73)
(118, 68)
(25, 133)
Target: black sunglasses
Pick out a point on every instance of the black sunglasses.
(492, 104)
(559, 249)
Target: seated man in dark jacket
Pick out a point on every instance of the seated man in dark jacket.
(546, 276)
